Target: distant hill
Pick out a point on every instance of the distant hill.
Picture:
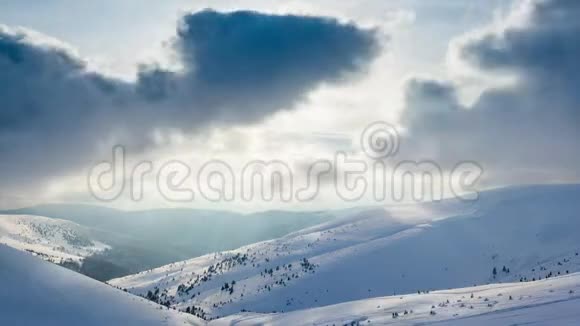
(58, 241)
(141, 240)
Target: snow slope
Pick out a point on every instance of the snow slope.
(554, 301)
(532, 231)
(35, 292)
(142, 240)
(55, 240)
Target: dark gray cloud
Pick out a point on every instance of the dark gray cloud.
(527, 132)
(239, 67)
(49, 101)
(544, 50)
(243, 65)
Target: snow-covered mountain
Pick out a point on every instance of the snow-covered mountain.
(552, 301)
(55, 240)
(522, 233)
(142, 240)
(35, 292)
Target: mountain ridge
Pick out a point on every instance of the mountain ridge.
(374, 253)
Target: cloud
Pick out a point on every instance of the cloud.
(241, 66)
(525, 132)
(49, 100)
(543, 45)
(237, 68)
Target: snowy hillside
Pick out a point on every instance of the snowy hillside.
(35, 292)
(554, 301)
(531, 231)
(142, 240)
(55, 240)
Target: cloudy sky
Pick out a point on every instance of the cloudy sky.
(491, 82)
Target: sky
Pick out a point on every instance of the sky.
(185, 85)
